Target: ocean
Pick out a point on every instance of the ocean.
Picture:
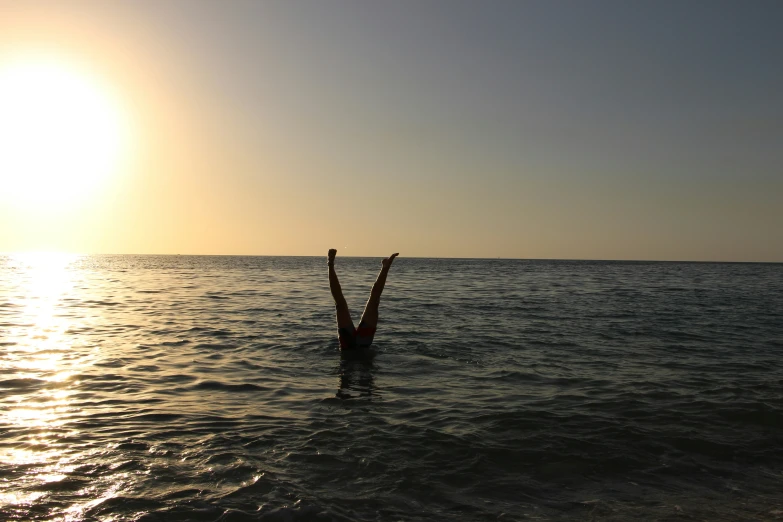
(173, 388)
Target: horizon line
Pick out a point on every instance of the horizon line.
(55, 252)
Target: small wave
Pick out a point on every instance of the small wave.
(175, 343)
(215, 346)
(200, 514)
(181, 493)
(260, 486)
(66, 484)
(221, 333)
(21, 384)
(127, 465)
(132, 445)
(158, 417)
(112, 363)
(120, 504)
(146, 368)
(179, 377)
(215, 385)
(250, 365)
(101, 303)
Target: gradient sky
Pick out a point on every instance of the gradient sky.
(539, 129)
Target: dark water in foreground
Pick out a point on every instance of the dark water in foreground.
(206, 388)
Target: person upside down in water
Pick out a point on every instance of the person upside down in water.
(350, 336)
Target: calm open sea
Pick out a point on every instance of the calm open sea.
(212, 388)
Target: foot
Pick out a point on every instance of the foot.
(330, 256)
(388, 261)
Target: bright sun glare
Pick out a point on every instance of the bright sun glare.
(61, 133)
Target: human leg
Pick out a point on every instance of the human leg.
(370, 316)
(345, 329)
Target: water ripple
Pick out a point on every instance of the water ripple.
(212, 388)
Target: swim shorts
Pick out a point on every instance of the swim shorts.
(352, 338)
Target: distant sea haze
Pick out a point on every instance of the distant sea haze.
(154, 388)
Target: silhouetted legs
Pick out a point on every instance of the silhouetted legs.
(351, 337)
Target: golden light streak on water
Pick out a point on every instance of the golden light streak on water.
(40, 352)
(44, 278)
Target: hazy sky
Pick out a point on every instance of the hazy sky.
(539, 129)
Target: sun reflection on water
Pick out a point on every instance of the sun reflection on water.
(37, 366)
(42, 280)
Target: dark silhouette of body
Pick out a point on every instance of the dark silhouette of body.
(350, 336)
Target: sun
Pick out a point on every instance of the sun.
(61, 133)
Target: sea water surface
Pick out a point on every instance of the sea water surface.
(156, 388)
